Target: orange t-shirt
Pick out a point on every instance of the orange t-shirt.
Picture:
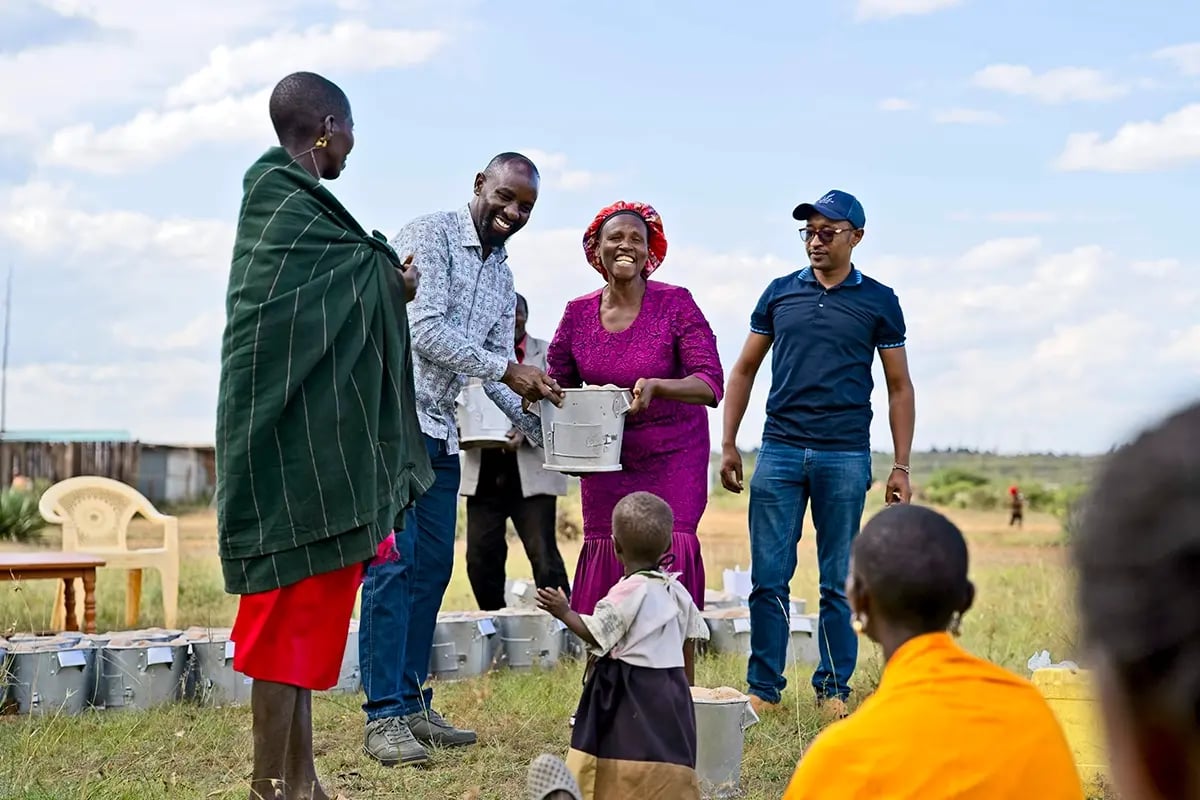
(943, 724)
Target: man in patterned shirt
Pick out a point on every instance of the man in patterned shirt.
(462, 327)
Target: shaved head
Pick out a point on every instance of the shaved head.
(300, 104)
(511, 159)
(912, 561)
(643, 524)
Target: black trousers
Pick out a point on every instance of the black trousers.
(498, 498)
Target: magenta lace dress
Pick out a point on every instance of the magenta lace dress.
(665, 449)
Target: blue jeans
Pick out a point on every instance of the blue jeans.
(786, 478)
(401, 599)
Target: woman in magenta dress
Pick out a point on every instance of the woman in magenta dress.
(650, 337)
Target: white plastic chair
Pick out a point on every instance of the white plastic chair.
(95, 513)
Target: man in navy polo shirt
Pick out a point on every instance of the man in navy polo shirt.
(825, 324)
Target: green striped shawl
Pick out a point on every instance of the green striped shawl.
(318, 445)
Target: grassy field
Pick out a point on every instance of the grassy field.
(185, 751)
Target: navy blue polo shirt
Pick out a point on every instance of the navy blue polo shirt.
(823, 346)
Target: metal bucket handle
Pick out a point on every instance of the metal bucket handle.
(622, 403)
(749, 716)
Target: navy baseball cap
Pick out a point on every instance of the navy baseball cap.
(835, 205)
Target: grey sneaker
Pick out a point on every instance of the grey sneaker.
(390, 742)
(549, 777)
(430, 728)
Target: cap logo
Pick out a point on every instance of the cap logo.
(826, 200)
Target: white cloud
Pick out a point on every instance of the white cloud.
(117, 316)
(1185, 57)
(1071, 350)
(1137, 146)
(896, 104)
(1055, 86)
(170, 399)
(344, 47)
(142, 54)
(110, 286)
(967, 116)
(1078, 268)
(886, 9)
(1024, 356)
(557, 173)
(999, 254)
(137, 53)
(1160, 268)
(1182, 347)
(199, 333)
(154, 136)
(45, 220)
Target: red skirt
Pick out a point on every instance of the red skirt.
(296, 635)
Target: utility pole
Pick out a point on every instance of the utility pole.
(4, 358)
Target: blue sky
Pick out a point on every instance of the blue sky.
(1025, 169)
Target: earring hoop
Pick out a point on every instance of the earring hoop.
(322, 142)
(859, 623)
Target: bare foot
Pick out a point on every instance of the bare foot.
(267, 789)
(310, 790)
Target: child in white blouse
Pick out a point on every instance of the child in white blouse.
(635, 729)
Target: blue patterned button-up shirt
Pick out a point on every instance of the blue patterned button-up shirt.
(461, 321)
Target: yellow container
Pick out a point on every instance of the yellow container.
(1072, 699)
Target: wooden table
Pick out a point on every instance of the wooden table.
(59, 566)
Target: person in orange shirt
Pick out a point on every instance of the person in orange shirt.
(943, 723)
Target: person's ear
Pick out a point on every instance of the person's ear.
(856, 593)
(968, 598)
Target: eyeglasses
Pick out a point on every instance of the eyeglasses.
(824, 234)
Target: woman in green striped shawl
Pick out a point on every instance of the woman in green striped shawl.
(318, 445)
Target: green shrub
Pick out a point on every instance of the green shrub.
(20, 520)
(959, 488)
(954, 476)
(1038, 497)
(1074, 504)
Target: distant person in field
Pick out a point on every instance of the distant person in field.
(317, 444)
(1016, 507)
(635, 729)
(943, 723)
(508, 483)
(462, 325)
(1138, 558)
(824, 325)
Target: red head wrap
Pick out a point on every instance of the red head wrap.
(656, 244)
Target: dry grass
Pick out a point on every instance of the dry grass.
(187, 751)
